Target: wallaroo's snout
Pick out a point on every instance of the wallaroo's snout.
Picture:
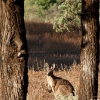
(58, 85)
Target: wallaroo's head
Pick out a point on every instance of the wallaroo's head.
(49, 70)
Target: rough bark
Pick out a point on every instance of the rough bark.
(90, 50)
(13, 50)
(0, 37)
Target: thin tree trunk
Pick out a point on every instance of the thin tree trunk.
(90, 50)
(13, 50)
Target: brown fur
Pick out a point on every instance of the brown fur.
(58, 85)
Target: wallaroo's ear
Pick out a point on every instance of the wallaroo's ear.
(53, 66)
(46, 66)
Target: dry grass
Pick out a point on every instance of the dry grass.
(37, 86)
(45, 43)
(37, 89)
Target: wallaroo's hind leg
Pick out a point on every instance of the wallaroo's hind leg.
(65, 90)
(49, 89)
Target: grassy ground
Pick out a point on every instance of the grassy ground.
(45, 45)
(37, 89)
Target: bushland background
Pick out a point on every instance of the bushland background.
(44, 43)
(47, 45)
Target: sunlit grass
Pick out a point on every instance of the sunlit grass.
(37, 89)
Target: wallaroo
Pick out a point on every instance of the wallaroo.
(58, 85)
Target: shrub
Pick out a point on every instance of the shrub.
(68, 16)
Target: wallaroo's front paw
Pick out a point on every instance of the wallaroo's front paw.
(49, 91)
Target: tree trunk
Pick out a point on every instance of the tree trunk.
(90, 50)
(13, 50)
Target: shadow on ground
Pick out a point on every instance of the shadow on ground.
(45, 45)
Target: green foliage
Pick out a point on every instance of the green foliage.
(68, 17)
(45, 4)
(29, 9)
(38, 9)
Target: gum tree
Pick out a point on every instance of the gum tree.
(13, 50)
(90, 50)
